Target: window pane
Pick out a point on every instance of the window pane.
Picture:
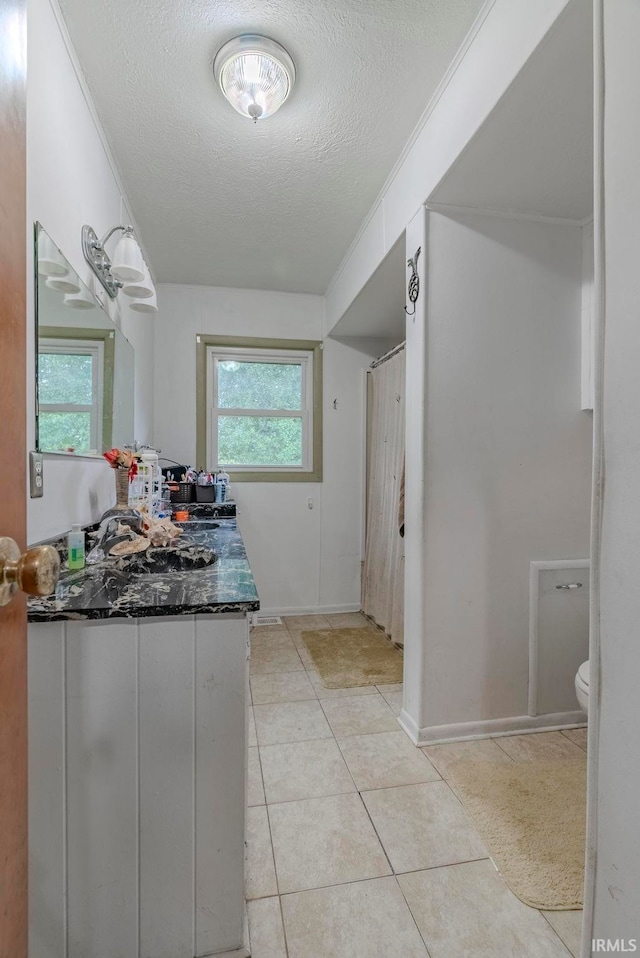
(64, 430)
(65, 378)
(259, 441)
(247, 385)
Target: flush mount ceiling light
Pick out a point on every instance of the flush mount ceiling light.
(255, 74)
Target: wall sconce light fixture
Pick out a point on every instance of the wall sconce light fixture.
(63, 284)
(50, 261)
(81, 300)
(145, 305)
(126, 267)
(142, 289)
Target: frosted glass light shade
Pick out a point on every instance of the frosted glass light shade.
(255, 74)
(142, 290)
(63, 284)
(149, 305)
(50, 259)
(81, 300)
(127, 264)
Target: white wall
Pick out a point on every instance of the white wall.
(617, 863)
(507, 458)
(302, 558)
(71, 180)
(587, 322)
(415, 507)
(504, 37)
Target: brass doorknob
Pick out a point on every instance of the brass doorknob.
(35, 572)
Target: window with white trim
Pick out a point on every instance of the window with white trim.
(260, 410)
(70, 387)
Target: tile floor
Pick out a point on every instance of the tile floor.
(357, 846)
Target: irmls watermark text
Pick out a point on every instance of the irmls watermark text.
(621, 945)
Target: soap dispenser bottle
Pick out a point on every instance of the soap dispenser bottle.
(75, 544)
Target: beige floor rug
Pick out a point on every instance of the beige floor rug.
(346, 658)
(531, 816)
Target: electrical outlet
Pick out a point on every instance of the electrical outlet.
(36, 475)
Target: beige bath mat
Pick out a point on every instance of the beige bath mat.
(346, 658)
(531, 815)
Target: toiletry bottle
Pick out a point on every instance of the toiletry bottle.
(75, 544)
(223, 477)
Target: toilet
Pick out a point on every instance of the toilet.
(582, 686)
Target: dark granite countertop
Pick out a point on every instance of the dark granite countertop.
(183, 581)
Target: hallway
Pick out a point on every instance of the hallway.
(357, 845)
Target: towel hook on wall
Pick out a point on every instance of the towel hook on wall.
(413, 288)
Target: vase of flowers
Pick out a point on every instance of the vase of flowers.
(125, 465)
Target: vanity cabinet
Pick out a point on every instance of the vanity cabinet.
(137, 783)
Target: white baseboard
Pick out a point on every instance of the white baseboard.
(409, 726)
(490, 728)
(310, 610)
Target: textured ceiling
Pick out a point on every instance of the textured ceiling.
(222, 202)
(534, 154)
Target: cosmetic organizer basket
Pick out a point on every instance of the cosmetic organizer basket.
(205, 493)
(185, 492)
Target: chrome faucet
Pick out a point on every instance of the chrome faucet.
(107, 535)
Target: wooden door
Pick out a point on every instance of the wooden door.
(13, 617)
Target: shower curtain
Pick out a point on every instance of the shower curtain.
(383, 585)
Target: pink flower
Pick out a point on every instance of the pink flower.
(122, 459)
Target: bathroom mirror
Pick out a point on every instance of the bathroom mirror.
(84, 364)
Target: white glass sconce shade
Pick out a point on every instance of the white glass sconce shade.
(63, 284)
(127, 264)
(255, 74)
(81, 300)
(50, 259)
(141, 290)
(149, 305)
